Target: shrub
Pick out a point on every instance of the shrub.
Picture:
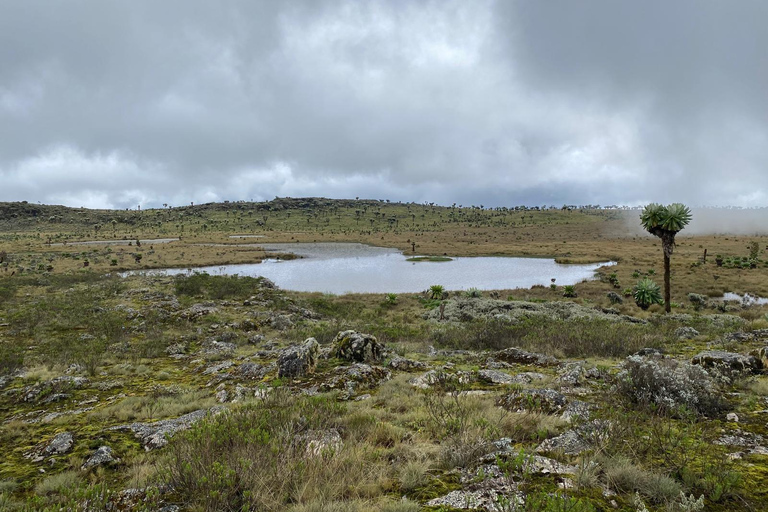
(647, 293)
(569, 291)
(669, 385)
(261, 457)
(698, 301)
(436, 291)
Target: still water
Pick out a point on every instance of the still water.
(356, 268)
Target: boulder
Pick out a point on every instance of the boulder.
(729, 361)
(104, 455)
(547, 401)
(350, 379)
(155, 435)
(495, 377)
(515, 355)
(406, 365)
(61, 443)
(298, 361)
(357, 347)
(686, 333)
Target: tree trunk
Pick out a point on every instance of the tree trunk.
(667, 293)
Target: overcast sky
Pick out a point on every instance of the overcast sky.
(120, 103)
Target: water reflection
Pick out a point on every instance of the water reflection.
(356, 268)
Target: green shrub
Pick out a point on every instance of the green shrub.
(647, 293)
(261, 457)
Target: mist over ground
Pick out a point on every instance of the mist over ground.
(712, 221)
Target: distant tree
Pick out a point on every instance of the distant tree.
(665, 222)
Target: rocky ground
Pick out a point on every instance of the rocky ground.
(109, 389)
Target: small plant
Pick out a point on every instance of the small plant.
(436, 291)
(569, 291)
(473, 293)
(647, 293)
(390, 299)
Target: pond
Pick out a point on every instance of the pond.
(356, 268)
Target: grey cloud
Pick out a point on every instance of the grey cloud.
(115, 103)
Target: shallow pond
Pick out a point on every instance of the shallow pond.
(747, 299)
(355, 268)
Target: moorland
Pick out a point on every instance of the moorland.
(201, 392)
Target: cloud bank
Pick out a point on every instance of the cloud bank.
(115, 104)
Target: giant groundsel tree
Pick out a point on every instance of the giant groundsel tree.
(665, 222)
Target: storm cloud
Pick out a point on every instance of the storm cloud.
(115, 104)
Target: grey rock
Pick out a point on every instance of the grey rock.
(103, 455)
(214, 347)
(568, 443)
(321, 443)
(197, 311)
(255, 339)
(719, 359)
(298, 361)
(686, 333)
(406, 365)
(254, 371)
(60, 444)
(514, 355)
(495, 377)
(575, 374)
(527, 377)
(358, 347)
(281, 322)
(216, 368)
(547, 401)
(155, 435)
(350, 379)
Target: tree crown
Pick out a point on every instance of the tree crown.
(658, 219)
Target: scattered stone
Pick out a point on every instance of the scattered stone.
(104, 455)
(254, 371)
(493, 364)
(176, 349)
(575, 374)
(568, 443)
(686, 333)
(514, 355)
(527, 377)
(761, 354)
(729, 361)
(732, 416)
(298, 361)
(547, 401)
(406, 365)
(60, 444)
(218, 348)
(51, 388)
(754, 443)
(742, 337)
(322, 443)
(255, 339)
(155, 435)
(198, 311)
(357, 347)
(281, 322)
(649, 352)
(577, 440)
(216, 368)
(495, 377)
(221, 394)
(357, 376)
